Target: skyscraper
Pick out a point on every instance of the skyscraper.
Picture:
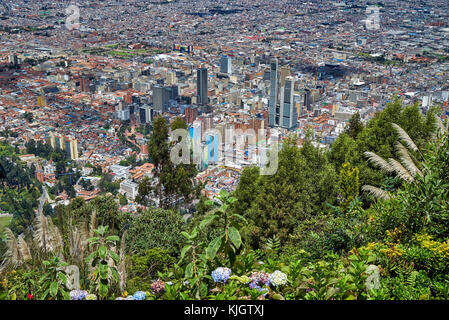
(282, 110)
(226, 65)
(202, 89)
(289, 113)
(13, 59)
(307, 100)
(272, 119)
(161, 95)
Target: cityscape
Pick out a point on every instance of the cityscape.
(224, 150)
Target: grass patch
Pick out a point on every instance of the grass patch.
(4, 222)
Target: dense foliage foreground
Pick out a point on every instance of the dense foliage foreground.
(368, 219)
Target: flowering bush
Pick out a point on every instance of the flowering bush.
(158, 286)
(221, 274)
(78, 294)
(278, 278)
(139, 295)
(260, 278)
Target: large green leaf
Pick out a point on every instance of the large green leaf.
(104, 270)
(232, 199)
(113, 239)
(189, 271)
(115, 274)
(103, 289)
(184, 251)
(206, 221)
(62, 277)
(223, 193)
(91, 256)
(213, 247)
(277, 296)
(65, 294)
(234, 235)
(185, 234)
(102, 252)
(235, 215)
(114, 256)
(54, 289)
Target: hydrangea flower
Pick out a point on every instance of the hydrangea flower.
(78, 294)
(260, 278)
(91, 297)
(254, 285)
(120, 298)
(278, 278)
(158, 286)
(139, 295)
(130, 298)
(221, 274)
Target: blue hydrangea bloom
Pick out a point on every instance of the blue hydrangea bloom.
(221, 274)
(139, 295)
(78, 294)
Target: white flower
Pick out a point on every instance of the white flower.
(278, 278)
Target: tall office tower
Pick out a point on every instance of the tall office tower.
(226, 65)
(272, 104)
(13, 59)
(161, 95)
(52, 140)
(201, 85)
(67, 148)
(289, 114)
(308, 100)
(191, 114)
(146, 114)
(282, 110)
(60, 142)
(171, 77)
(41, 101)
(124, 114)
(84, 85)
(74, 149)
(174, 92)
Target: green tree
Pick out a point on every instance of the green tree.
(349, 185)
(355, 126)
(155, 228)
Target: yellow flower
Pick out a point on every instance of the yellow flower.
(125, 294)
(371, 245)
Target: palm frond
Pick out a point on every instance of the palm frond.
(376, 192)
(400, 170)
(378, 161)
(407, 160)
(405, 137)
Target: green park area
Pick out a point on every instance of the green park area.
(4, 222)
